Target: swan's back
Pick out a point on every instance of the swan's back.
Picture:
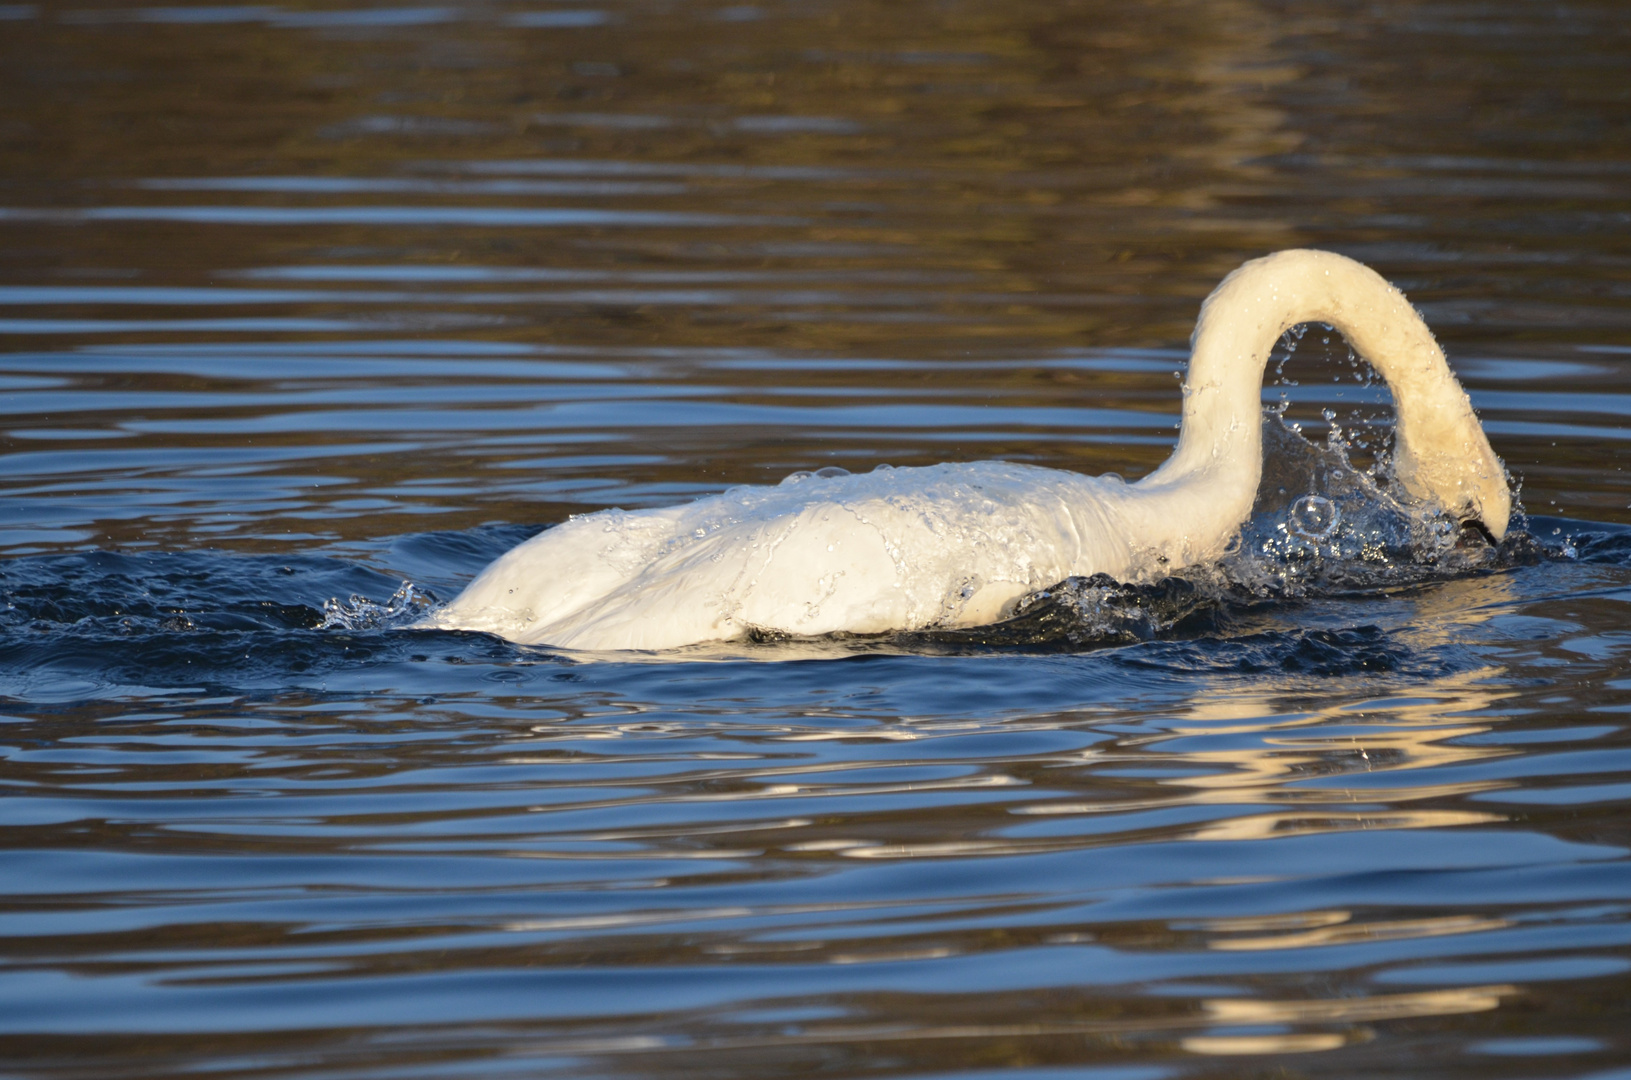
(948, 545)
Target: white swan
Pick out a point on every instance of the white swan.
(957, 545)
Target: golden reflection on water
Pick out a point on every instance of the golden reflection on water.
(1342, 932)
(1234, 1045)
(1310, 823)
(1335, 764)
(1295, 758)
(1256, 1011)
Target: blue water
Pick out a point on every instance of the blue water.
(303, 302)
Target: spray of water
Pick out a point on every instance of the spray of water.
(405, 606)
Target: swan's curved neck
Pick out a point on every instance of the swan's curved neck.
(1441, 453)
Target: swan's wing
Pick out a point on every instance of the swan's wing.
(888, 550)
(948, 546)
(810, 571)
(558, 572)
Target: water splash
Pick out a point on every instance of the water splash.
(1320, 525)
(1320, 528)
(406, 605)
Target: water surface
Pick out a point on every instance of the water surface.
(299, 302)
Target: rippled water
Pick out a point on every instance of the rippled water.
(300, 302)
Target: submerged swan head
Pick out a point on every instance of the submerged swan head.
(959, 545)
(1441, 454)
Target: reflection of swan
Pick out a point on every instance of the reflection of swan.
(955, 545)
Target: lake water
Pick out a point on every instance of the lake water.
(302, 301)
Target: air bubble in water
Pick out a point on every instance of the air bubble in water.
(1314, 517)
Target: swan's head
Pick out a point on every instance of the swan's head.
(1449, 461)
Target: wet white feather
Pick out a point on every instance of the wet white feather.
(957, 545)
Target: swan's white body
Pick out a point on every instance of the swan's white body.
(957, 545)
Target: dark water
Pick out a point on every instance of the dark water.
(300, 302)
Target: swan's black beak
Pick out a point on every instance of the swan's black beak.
(1473, 525)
